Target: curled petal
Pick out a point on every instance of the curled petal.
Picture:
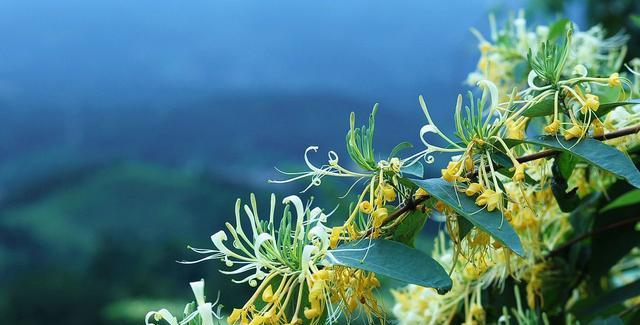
(487, 85)
(307, 251)
(160, 315)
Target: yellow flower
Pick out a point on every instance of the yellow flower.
(552, 127)
(592, 102)
(379, 216)
(335, 236)
(484, 47)
(490, 198)
(598, 128)
(236, 314)
(477, 312)
(389, 193)
(614, 80)
(450, 173)
(395, 164)
(468, 164)
(519, 174)
(473, 189)
(420, 193)
(574, 132)
(440, 206)
(366, 207)
(516, 129)
(267, 294)
(311, 313)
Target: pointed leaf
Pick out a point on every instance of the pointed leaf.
(605, 108)
(492, 223)
(415, 169)
(394, 260)
(410, 227)
(399, 147)
(541, 108)
(593, 152)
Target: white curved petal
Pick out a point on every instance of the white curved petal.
(300, 211)
(321, 233)
(307, 251)
(258, 243)
(198, 291)
(206, 313)
(164, 314)
(493, 91)
(428, 128)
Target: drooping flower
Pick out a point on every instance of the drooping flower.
(473, 189)
(576, 131)
(592, 102)
(614, 80)
(489, 198)
(201, 310)
(552, 127)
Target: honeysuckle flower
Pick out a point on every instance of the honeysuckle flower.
(552, 127)
(614, 80)
(598, 128)
(365, 207)
(592, 102)
(489, 198)
(389, 193)
(203, 310)
(473, 189)
(576, 131)
(516, 129)
(518, 174)
(379, 216)
(332, 169)
(452, 172)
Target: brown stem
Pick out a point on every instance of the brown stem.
(608, 136)
(410, 205)
(590, 234)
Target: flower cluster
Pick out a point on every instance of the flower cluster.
(505, 203)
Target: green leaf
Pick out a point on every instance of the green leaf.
(566, 164)
(636, 20)
(408, 230)
(599, 305)
(416, 169)
(541, 108)
(394, 260)
(612, 244)
(613, 320)
(605, 108)
(593, 152)
(399, 147)
(558, 28)
(567, 201)
(626, 199)
(492, 223)
(464, 227)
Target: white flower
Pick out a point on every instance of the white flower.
(204, 310)
(267, 251)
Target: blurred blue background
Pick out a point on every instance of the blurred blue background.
(128, 128)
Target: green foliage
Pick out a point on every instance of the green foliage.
(595, 153)
(541, 108)
(360, 142)
(409, 229)
(548, 62)
(492, 223)
(393, 260)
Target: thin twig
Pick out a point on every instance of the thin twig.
(590, 234)
(410, 205)
(608, 136)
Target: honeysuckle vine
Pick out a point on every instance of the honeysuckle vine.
(546, 136)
